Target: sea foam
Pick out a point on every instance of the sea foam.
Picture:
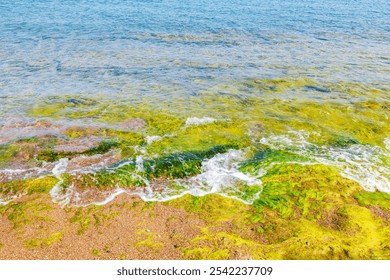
(365, 164)
(199, 121)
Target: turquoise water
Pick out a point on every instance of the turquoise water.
(174, 49)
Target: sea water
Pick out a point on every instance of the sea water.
(159, 52)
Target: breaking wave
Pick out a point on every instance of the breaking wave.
(365, 164)
(368, 165)
(219, 175)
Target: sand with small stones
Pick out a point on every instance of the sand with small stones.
(129, 222)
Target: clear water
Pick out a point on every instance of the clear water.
(169, 49)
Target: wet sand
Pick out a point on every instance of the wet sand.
(129, 229)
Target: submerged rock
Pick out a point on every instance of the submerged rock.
(133, 124)
(78, 145)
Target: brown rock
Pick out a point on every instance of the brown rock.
(133, 124)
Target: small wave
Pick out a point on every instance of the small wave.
(219, 175)
(365, 164)
(151, 139)
(57, 192)
(5, 201)
(387, 143)
(22, 174)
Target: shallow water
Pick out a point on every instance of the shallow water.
(174, 49)
(259, 64)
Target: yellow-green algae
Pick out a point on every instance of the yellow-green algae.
(374, 199)
(96, 252)
(175, 165)
(148, 241)
(45, 241)
(203, 137)
(28, 186)
(21, 214)
(91, 215)
(343, 113)
(7, 152)
(304, 212)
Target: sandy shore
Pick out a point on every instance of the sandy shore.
(126, 228)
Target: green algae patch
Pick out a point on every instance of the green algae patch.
(28, 186)
(343, 141)
(329, 119)
(21, 214)
(44, 242)
(106, 111)
(123, 176)
(206, 253)
(377, 198)
(202, 137)
(265, 156)
(183, 164)
(126, 137)
(96, 252)
(176, 165)
(60, 106)
(82, 220)
(89, 216)
(294, 190)
(327, 110)
(24, 151)
(303, 212)
(7, 152)
(212, 208)
(125, 141)
(81, 132)
(305, 87)
(148, 241)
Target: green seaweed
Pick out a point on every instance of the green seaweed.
(148, 241)
(44, 242)
(264, 156)
(177, 165)
(7, 152)
(92, 215)
(377, 198)
(22, 214)
(184, 164)
(29, 186)
(343, 141)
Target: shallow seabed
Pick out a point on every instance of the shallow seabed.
(231, 112)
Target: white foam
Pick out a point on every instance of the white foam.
(104, 162)
(365, 164)
(109, 198)
(220, 175)
(60, 167)
(22, 174)
(57, 193)
(139, 164)
(387, 143)
(5, 202)
(151, 139)
(199, 121)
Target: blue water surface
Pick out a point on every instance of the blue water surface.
(165, 49)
